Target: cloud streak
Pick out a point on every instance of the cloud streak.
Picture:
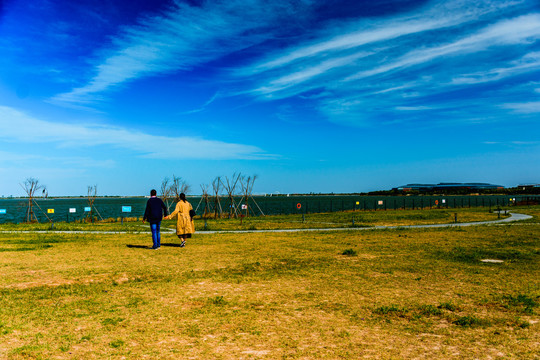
(19, 127)
(515, 31)
(389, 70)
(352, 71)
(178, 39)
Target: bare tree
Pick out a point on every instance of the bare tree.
(32, 187)
(247, 184)
(205, 199)
(216, 187)
(230, 186)
(177, 187)
(165, 193)
(92, 194)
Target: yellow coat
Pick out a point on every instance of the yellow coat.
(185, 224)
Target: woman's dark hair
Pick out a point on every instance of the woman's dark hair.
(183, 197)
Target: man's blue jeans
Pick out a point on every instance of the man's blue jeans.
(156, 236)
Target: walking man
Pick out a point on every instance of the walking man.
(155, 209)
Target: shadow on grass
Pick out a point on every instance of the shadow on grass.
(150, 247)
(138, 247)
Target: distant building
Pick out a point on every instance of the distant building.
(448, 186)
(528, 186)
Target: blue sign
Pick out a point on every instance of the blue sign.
(87, 208)
(126, 208)
(2, 211)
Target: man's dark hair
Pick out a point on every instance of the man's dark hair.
(153, 192)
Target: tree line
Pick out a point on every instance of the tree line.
(225, 197)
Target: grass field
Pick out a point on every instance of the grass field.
(298, 221)
(388, 294)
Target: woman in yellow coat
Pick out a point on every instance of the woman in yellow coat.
(185, 225)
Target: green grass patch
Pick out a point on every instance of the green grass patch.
(523, 302)
(470, 321)
(475, 255)
(117, 343)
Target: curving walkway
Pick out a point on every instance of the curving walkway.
(513, 217)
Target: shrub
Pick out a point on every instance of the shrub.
(469, 321)
(349, 252)
(447, 306)
(430, 310)
(116, 343)
(217, 300)
(521, 300)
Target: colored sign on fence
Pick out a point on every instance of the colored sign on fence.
(50, 211)
(126, 209)
(358, 203)
(87, 208)
(3, 211)
(244, 207)
(380, 202)
(72, 210)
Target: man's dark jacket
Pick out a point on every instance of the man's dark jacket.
(155, 208)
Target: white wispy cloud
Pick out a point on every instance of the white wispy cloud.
(529, 62)
(436, 16)
(366, 44)
(318, 70)
(73, 161)
(412, 108)
(179, 38)
(512, 143)
(353, 71)
(20, 127)
(523, 107)
(519, 30)
(389, 69)
(203, 107)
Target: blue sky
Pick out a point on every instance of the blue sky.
(310, 96)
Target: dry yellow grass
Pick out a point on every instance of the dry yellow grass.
(397, 294)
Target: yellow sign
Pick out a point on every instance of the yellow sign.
(50, 211)
(358, 203)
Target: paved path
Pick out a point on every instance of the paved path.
(513, 217)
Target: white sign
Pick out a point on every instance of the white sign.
(444, 201)
(72, 210)
(244, 206)
(380, 202)
(2, 211)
